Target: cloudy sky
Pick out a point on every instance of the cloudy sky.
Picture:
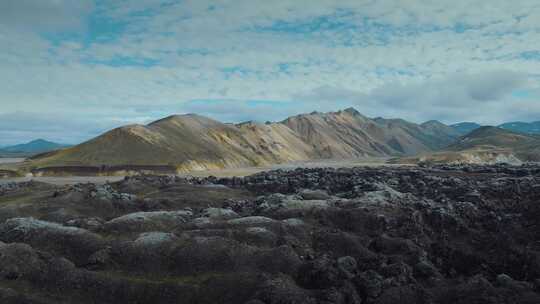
(72, 69)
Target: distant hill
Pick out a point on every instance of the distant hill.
(193, 142)
(522, 127)
(486, 145)
(31, 148)
(493, 137)
(517, 126)
(465, 127)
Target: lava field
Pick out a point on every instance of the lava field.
(440, 234)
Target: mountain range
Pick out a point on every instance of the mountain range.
(524, 147)
(192, 142)
(485, 145)
(522, 127)
(31, 148)
(517, 126)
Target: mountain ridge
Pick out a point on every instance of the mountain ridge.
(495, 137)
(486, 145)
(191, 142)
(523, 127)
(194, 142)
(516, 126)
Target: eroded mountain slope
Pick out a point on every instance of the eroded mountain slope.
(192, 142)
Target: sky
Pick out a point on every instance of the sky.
(70, 70)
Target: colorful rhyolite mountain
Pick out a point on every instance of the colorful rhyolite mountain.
(192, 142)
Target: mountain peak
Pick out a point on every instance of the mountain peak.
(183, 118)
(352, 111)
(465, 127)
(487, 131)
(39, 141)
(33, 147)
(432, 122)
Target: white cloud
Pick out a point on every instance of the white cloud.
(398, 51)
(484, 97)
(18, 127)
(44, 15)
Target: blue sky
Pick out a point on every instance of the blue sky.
(72, 69)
